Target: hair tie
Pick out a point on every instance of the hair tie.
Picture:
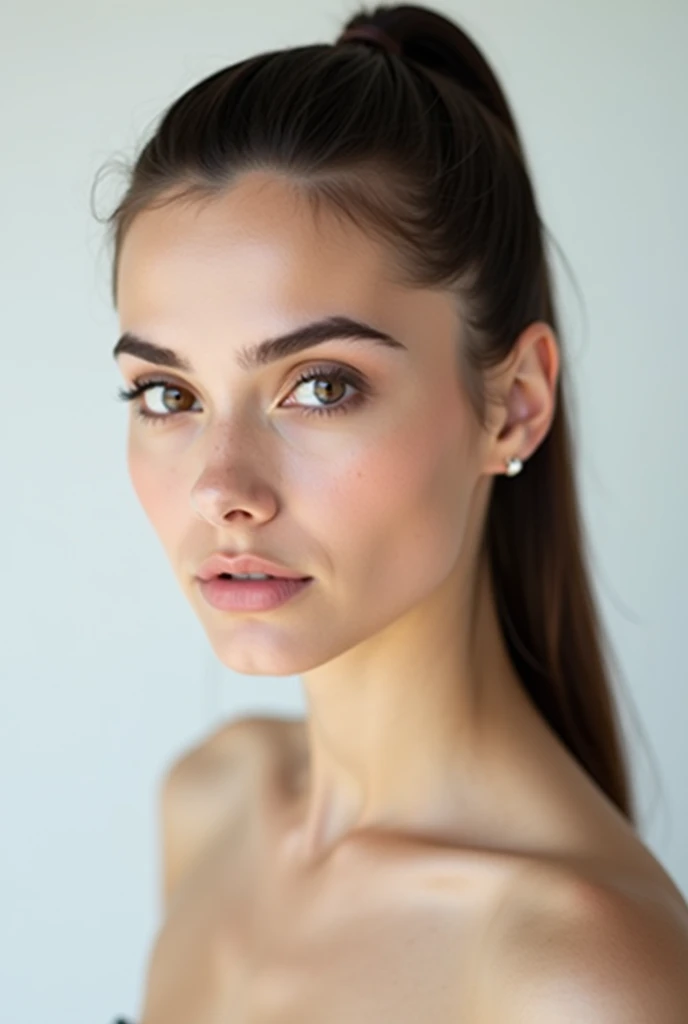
(372, 34)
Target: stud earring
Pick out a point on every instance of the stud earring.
(513, 466)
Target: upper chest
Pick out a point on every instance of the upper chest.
(383, 933)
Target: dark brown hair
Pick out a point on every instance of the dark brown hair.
(422, 149)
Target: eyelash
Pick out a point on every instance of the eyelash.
(336, 373)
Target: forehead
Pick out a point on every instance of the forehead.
(258, 243)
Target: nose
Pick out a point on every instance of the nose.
(225, 494)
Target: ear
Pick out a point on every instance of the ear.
(523, 393)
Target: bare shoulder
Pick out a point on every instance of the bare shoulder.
(570, 945)
(232, 750)
(205, 791)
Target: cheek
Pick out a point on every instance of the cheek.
(395, 508)
(158, 487)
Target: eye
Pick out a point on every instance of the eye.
(141, 387)
(336, 375)
(341, 379)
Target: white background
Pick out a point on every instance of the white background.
(105, 673)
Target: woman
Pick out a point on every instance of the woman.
(343, 357)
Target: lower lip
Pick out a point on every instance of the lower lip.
(250, 595)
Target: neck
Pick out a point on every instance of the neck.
(409, 731)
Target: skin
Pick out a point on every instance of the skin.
(420, 751)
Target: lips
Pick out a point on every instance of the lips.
(222, 562)
(251, 596)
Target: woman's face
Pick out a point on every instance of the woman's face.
(372, 499)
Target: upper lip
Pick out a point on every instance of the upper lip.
(222, 563)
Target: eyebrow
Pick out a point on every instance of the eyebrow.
(272, 349)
